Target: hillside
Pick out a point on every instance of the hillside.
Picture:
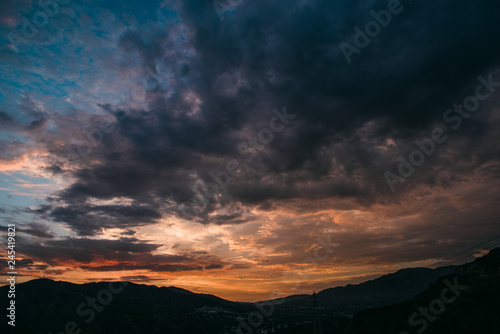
(46, 306)
(385, 290)
(470, 301)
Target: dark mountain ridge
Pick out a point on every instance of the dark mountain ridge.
(387, 289)
(466, 302)
(46, 306)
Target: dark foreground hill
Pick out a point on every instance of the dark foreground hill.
(385, 290)
(467, 302)
(46, 306)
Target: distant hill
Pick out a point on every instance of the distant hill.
(46, 306)
(472, 307)
(385, 290)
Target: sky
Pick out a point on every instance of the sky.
(247, 149)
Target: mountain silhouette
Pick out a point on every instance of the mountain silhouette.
(466, 302)
(388, 289)
(47, 306)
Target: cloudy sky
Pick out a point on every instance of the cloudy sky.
(218, 146)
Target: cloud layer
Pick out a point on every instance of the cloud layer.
(162, 136)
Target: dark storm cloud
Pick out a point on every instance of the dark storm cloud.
(36, 230)
(213, 266)
(41, 267)
(174, 268)
(117, 267)
(270, 55)
(235, 218)
(55, 169)
(151, 267)
(128, 253)
(86, 250)
(136, 278)
(5, 118)
(88, 219)
(36, 124)
(333, 99)
(301, 47)
(21, 263)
